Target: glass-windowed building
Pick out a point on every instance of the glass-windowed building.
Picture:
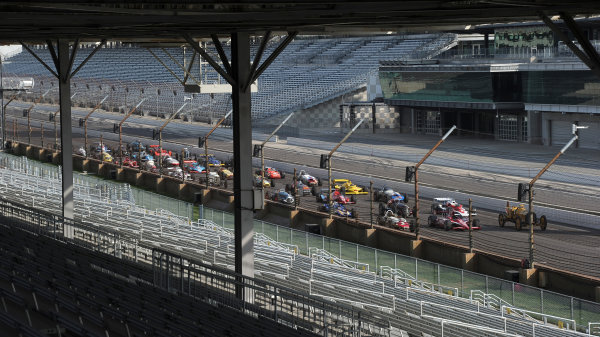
(522, 86)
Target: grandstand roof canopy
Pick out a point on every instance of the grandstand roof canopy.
(35, 21)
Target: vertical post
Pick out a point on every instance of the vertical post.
(531, 224)
(42, 131)
(262, 169)
(329, 201)
(470, 226)
(242, 150)
(417, 227)
(181, 165)
(207, 168)
(295, 189)
(66, 138)
(85, 139)
(160, 153)
(371, 199)
(55, 133)
(15, 134)
(139, 159)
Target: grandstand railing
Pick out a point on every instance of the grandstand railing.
(506, 308)
(518, 295)
(444, 321)
(174, 272)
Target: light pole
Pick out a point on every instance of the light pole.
(202, 141)
(160, 136)
(85, 119)
(328, 160)
(529, 189)
(28, 112)
(55, 128)
(262, 153)
(121, 129)
(414, 170)
(4, 118)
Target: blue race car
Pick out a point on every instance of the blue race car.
(338, 209)
(387, 194)
(282, 196)
(212, 161)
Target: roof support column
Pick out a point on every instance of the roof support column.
(242, 153)
(64, 88)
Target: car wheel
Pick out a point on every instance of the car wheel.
(431, 220)
(352, 199)
(288, 187)
(381, 209)
(282, 175)
(543, 222)
(405, 198)
(447, 225)
(475, 223)
(272, 183)
(501, 220)
(404, 210)
(319, 182)
(518, 223)
(411, 226)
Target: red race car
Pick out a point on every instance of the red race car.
(272, 173)
(155, 151)
(389, 219)
(340, 198)
(455, 221)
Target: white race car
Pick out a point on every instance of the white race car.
(307, 179)
(448, 205)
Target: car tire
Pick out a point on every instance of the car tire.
(273, 183)
(518, 223)
(282, 175)
(404, 210)
(288, 187)
(431, 220)
(501, 220)
(381, 209)
(411, 226)
(475, 223)
(319, 182)
(543, 222)
(447, 225)
(405, 198)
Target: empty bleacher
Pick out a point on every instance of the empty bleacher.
(109, 223)
(309, 71)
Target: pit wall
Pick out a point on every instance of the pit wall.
(350, 230)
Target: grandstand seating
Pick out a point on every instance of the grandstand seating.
(308, 72)
(393, 298)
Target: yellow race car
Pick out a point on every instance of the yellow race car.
(347, 187)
